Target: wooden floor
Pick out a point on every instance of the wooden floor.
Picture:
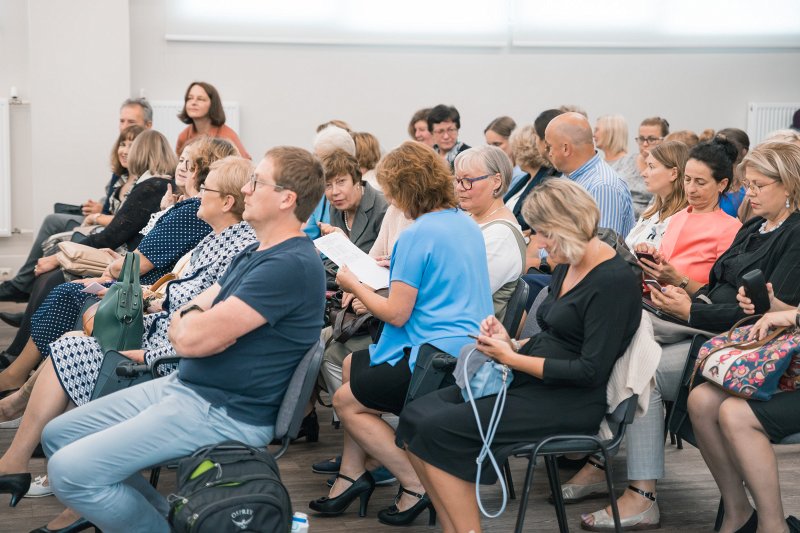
(687, 497)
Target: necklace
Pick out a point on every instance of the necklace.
(484, 217)
(346, 224)
(763, 229)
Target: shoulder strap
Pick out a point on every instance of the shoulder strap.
(523, 247)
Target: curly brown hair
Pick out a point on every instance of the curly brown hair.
(206, 151)
(416, 179)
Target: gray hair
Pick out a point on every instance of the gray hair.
(147, 109)
(491, 158)
(333, 138)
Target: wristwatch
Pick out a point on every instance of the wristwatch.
(684, 282)
(797, 319)
(191, 308)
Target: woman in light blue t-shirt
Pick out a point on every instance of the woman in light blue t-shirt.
(439, 293)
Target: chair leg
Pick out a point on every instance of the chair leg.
(154, 475)
(611, 494)
(555, 488)
(720, 516)
(526, 489)
(509, 481)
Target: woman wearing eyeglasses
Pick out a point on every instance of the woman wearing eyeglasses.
(651, 133)
(770, 242)
(482, 176)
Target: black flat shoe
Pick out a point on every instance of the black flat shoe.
(751, 526)
(9, 293)
(78, 525)
(393, 516)
(12, 319)
(15, 484)
(359, 488)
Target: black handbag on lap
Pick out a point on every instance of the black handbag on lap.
(110, 380)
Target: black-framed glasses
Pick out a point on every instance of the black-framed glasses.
(204, 189)
(441, 131)
(466, 183)
(649, 140)
(254, 181)
(752, 187)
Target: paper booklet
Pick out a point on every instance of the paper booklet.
(341, 251)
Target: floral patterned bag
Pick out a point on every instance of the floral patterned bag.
(752, 369)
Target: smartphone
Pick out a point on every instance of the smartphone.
(645, 255)
(472, 336)
(654, 285)
(755, 287)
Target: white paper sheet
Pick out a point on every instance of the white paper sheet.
(341, 251)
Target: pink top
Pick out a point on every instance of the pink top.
(694, 241)
(223, 132)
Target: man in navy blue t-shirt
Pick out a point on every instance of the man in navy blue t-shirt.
(240, 340)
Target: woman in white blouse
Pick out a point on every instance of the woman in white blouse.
(663, 176)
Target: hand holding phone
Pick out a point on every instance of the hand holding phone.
(654, 285)
(755, 288)
(648, 256)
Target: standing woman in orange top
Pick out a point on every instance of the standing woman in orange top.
(203, 112)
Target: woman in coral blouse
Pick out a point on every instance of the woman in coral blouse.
(203, 112)
(698, 235)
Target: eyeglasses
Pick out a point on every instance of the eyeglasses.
(204, 189)
(254, 181)
(756, 188)
(649, 140)
(466, 183)
(441, 131)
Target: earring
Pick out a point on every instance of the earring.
(788, 205)
(496, 193)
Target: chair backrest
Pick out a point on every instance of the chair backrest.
(292, 410)
(619, 420)
(516, 307)
(531, 326)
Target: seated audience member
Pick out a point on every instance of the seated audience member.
(730, 431)
(432, 300)
(769, 242)
(53, 313)
(534, 166)
(204, 114)
(573, 108)
(329, 138)
(611, 136)
(652, 131)
(482, 175)
(368, 153)
(266, 312)
(418, 127)
(570, 148)
(791, 136)
(699, 234)
(357, 209)
(444, 122)
(560, 375)
(498, 133)
(336, 123)
(69, 376)
(540, 125)
(117, 190)
(731, 201)
(663, 178)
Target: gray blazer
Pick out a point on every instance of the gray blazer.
(368, 219)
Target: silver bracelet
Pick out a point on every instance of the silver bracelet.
(515, 345)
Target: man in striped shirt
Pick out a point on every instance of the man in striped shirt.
(570, 148)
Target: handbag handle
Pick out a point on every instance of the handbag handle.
(130, 269)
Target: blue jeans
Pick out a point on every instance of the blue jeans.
(97, 450)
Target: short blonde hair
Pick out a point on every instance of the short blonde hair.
(616, 128)
(416, 179)
(780, 161)
(233, 172)
(151, 151)
(523, 146)
(564, 211)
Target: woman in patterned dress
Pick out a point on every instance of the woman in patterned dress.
(69, 375)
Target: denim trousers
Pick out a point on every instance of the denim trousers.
(98, 450)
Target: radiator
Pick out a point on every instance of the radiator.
(764, 118)
(5, 169)
(165, 118)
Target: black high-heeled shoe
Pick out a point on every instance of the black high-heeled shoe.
(392, 516)
(15, 484)
(309, 428)
(751, 526)
(78, 525)
(359, 488)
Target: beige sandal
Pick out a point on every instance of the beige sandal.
(650, 518)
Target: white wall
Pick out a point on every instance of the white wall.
(285, 91)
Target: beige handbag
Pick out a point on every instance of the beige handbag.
(82, 260)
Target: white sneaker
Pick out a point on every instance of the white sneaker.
(11, 424)
(39, 488)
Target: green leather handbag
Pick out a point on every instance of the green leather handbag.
(118, 322)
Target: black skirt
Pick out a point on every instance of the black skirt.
(440, 428)
(382, 387)
(780, 415)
